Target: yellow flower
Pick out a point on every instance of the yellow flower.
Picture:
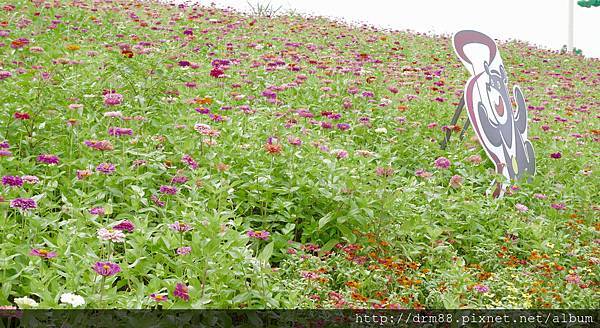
(73, 47)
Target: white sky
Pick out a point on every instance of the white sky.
(541, 22)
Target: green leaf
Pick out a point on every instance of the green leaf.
(266, 253)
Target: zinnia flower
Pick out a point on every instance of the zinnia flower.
(106, 168)
(442, 163)
(12, 181)
(264, 235)
(116, 236)
(181, 291)
(180, 226)
(184, 250)
(125, 225)
(42, 253)
(159, 298)
(521, 208)
(48, 159)
(169, 190)
(106, 269)
(113, 99)
(456, 181)
(25, 302)
(72, 299)
(23, 203)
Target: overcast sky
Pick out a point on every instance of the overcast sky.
(542, 22)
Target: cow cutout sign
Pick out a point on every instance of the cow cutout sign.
(501, 130)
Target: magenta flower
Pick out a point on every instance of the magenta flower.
(157, 201)
(442, 163)
(264, 235)
(169, 190)
(101, 145)
(181, 291)
(558, 206)
(106, 168)
(556, 155)
(106, 269)
(180, 226)
(5, 75)
(179, 179)
(116, 131)
(48, 159)
(343, 126)
(42, 253)
(113, 99)
(13, 181)
(187, 159)
(23, 203)
(125, 225)
(97, 211)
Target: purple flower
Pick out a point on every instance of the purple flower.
(23, 203)
(558, 206)
(556, 155)
(106, 168)
(481, 288)
(42, 253)
(4, 145)
(157, 201)
(179, 179)
(343, 126)
(113, 99)
(125, 225)
(106, 269)
(180, 226)
(97, 211)
(116, 131)
(13, 181)
(48, 159)
(181, 291)
(169, 190)
(442, 163)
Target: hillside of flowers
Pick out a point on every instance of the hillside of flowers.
(177, 156)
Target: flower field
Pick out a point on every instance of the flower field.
(171, 156)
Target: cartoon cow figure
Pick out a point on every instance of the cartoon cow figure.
(501, 131)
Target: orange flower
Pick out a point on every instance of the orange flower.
(73, 47)
(127, 53)
(273, 148)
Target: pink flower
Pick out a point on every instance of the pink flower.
(181, 291)
(573, 279)
(187, 159)
(456, 181)
(113, 99)
(97, 211)
(159, 298)
(481, 288)
(540, 196)
(169, 190)
(184, 250)
(442, 163)
(42, 253)
(384, 171)
(475, 159)
(116, 236)
(264, 235)
(48, 159)
(180, 226)
(558, 206)
(423, 174)
(106, 269)
(521, 208)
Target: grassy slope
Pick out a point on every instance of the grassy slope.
(420, 242)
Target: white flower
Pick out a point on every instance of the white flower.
(381, 130)
(115, 236)
(72, 299)
(25, 302)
